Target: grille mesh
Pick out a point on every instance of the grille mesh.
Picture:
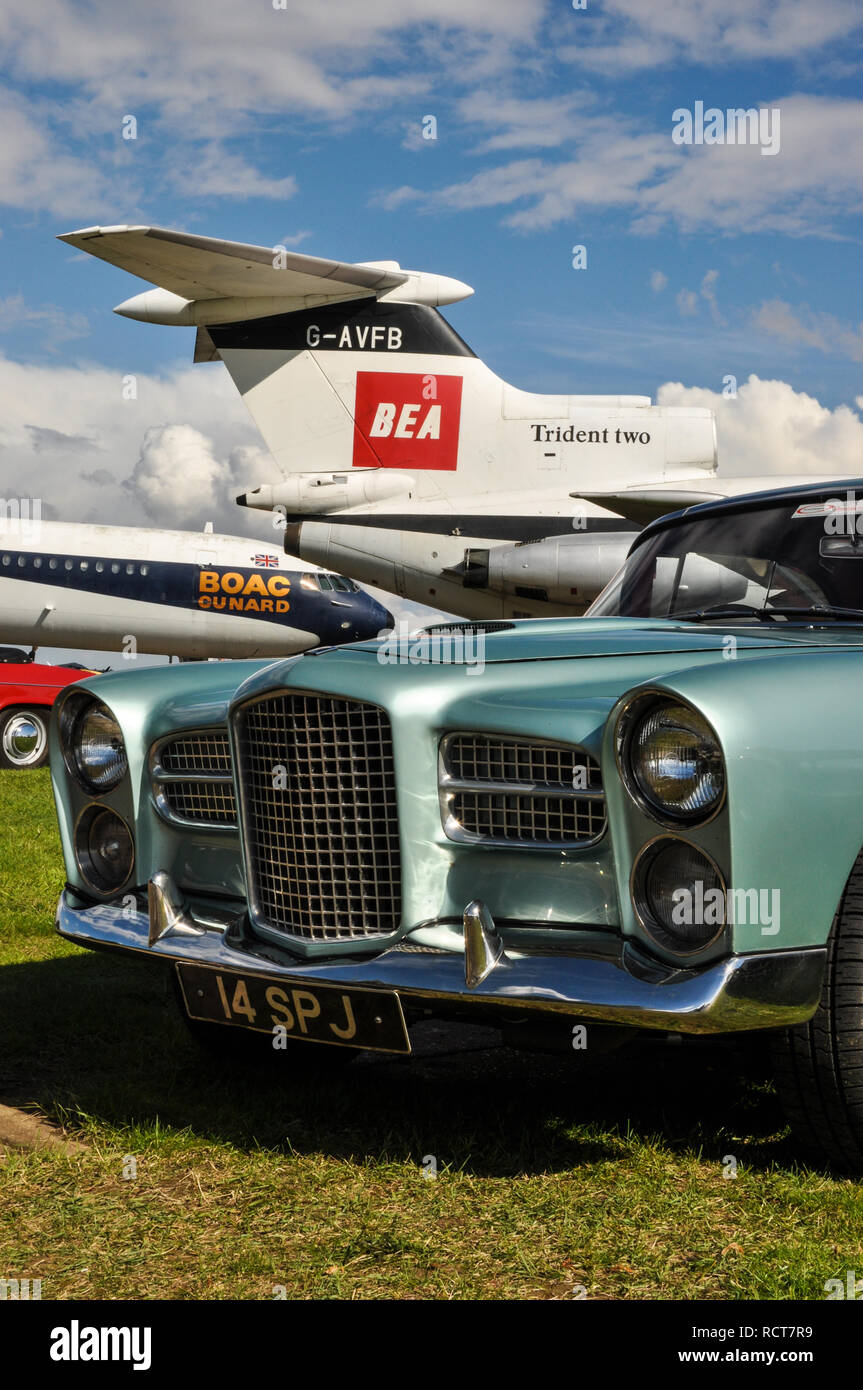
(525, 811)
(193, 777)
(204, 752)
(319, 816)
(534, 820)
(212, 802)
(476, 758)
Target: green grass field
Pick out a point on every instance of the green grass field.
(552, 1174)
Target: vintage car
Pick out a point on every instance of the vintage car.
(28, 689)
(648, 818)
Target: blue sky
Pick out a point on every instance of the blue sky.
(303, 126)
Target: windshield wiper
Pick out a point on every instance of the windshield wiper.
(744, 610)
(816, 610)
(723, 610)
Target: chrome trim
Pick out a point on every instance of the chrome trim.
(167, 912)
(768, 989)
(483, 947)
(647, 923)
(162, 778)
(621, 737)
(449, 785)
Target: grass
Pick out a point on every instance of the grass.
(553, 1174)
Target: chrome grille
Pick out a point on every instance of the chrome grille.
(192, 779)
(320, 824)
(204, 752)
(509, 791)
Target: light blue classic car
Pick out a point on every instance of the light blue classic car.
(649, 818)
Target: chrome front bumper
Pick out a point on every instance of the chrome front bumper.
(622, 986)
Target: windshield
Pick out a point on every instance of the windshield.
(784, 560)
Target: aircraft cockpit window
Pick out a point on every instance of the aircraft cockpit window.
(324, 581)
(339, 583)
(309, 581)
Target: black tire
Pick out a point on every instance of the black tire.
(24, 737)
(818, 1066)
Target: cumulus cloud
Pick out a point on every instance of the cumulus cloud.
(658, 281)
(178, 453)
(771, 428)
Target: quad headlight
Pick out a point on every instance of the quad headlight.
(670, 760)
(679, 895)
(104, 849)
(93, 744)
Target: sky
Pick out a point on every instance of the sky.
(307, 123)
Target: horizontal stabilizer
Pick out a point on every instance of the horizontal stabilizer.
(203, 267)
(203, 280)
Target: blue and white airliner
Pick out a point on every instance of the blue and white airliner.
(174, 593)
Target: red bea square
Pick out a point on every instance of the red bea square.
(406, 420)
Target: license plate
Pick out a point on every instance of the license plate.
(341, 1016)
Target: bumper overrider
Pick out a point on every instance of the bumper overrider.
(618, 984)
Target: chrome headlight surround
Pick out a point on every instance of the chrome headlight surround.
(639, 721)
(94, 750)
(644, 888)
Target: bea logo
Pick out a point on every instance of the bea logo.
(406, 420)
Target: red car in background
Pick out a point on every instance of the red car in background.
(28, 689)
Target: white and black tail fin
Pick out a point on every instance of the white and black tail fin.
(368, 398)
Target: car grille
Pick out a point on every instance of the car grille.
(320, 824)
(507, 791)
(192, 779)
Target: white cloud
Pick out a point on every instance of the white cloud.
(55, 324)
(658, 281)
(771, 428)
(687, 302)
(634, 34)
(176, 456)
(814, 180)
(810, 328)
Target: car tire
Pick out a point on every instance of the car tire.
(24, 737)
(818, 1066)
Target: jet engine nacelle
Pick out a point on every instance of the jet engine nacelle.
(322, 493)
(567, 569)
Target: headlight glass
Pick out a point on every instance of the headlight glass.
(679, 896)
(672, 761)
(96, 751)
(104, 849)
